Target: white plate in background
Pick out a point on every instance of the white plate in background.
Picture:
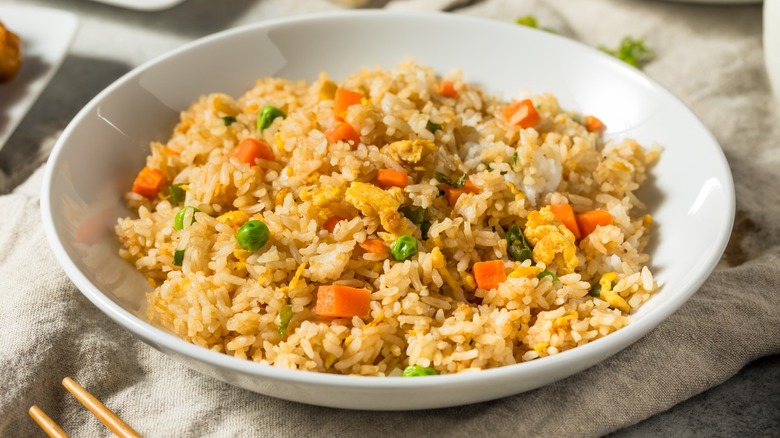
(142, 5)
(46, 35)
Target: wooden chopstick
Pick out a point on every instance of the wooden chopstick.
(47, 424)
(119, 427)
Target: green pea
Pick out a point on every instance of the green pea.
(403, 248)
(178, 220)
(595, 290)
(252, 235)
(417, 370)
(267, 116)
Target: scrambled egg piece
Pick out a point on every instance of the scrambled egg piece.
(233, 218)
(609, 295)
(322, 195)
(410, 151)
(372, 201)
(440, 264)
(551, 240)
(525, 272)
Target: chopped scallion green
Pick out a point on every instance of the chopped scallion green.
(178, 257)
(177, 193)
(433, 127)
(285, 315)
(228, 120)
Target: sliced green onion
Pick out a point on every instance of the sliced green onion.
(417, 370)
(178, 257)
(595, 290)
(456, 183)
(177, 193)
(424, 227)
(514, 159)
(228, 120)
(252, 235)
(403, 248)
(414, 214)
(433, 127)
(267, 116)
(517, 246)
(178, 220)
(285, 315)
(547, 274)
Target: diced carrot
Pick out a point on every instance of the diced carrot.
(148, 182)
(593, 124)
(330, 224)
(343, 302)
(489, 275)
(391, 178)
(565, 214)
(170, 151)
(343, 131)
(374, 246)
(344, 99)
(590, 220)
(522, 113)
(452, 194)
(447, 89)
(250, 149)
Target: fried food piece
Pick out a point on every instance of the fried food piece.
(10, 54)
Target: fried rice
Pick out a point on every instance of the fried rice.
(473, 172)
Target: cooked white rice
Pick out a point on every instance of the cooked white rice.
(425, 310)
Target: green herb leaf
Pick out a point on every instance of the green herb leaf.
(177, 193)
(178, 257)
(528, 21)
(433, 127)
(547, 274)
(417, 370)
(285, 315)
(631, 51)
(228, 120)
(414, 214)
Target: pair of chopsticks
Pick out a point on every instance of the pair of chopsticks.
(119, 427)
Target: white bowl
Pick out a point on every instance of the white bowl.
(691, 192)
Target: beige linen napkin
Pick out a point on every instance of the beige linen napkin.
(709, 56)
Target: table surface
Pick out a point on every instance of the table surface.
(111, 41)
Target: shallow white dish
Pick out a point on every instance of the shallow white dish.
(691, 193)
(44, 49)
(142, 5)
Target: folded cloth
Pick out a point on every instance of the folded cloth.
(709, 56)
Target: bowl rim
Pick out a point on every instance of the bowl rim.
(602, 347)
